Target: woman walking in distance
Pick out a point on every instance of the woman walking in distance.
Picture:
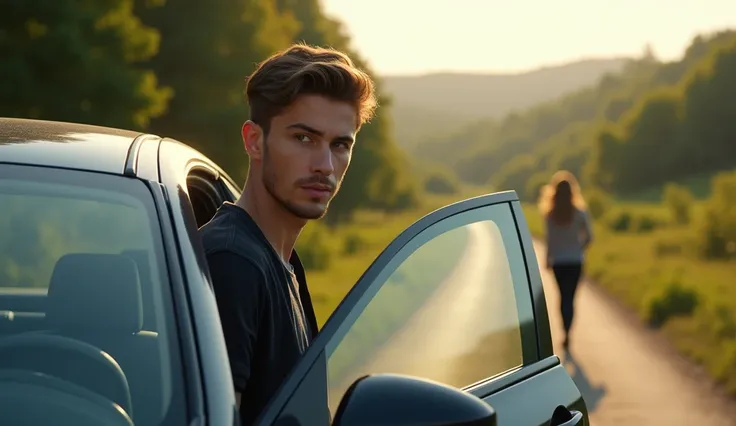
(568, 233)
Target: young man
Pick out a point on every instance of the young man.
(307, 105)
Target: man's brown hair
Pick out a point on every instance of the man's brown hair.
(301, 70)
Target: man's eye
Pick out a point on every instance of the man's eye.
(342, 145)
(303, 138)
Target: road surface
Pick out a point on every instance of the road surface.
(628, 374)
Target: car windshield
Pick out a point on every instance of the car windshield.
(86, 318)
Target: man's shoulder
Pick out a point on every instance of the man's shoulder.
(226, 234)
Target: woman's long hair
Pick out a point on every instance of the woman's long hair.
(560, 198)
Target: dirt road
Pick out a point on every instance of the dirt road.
(628, 374)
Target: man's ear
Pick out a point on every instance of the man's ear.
(253, 140)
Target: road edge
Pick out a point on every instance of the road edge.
(659, 342)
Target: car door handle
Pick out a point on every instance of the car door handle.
(564, 417)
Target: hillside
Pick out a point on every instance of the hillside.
(428, 104)
(651, 123)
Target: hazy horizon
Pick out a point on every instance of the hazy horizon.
(542, 36)
(523, 71)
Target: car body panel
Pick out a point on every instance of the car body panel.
(142, 161)
(541, 316)
(202, 318)
(64, 145)
(533, 401)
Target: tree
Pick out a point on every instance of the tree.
(78, 61)
(679, 201)
(675, 131)
(709, 110)
(207, 49)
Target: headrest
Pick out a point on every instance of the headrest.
(95, 292)
(144, 274)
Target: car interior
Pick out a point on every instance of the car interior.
(92, 346)
(88, 345)
(205, 196)
(95, 305)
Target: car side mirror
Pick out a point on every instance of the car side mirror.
(396, 400)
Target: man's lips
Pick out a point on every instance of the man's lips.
(318, 190)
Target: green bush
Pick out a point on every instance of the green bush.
(620, 222)
(723, 322)
(717, 322)
(598, 203)
(404, 200)
(679, 201)
(353, 244)
(440, 181)
(668, 247)
(717, 230)
(626, 221)
(314, 249)
(674, 300)
(645, 223)
(534, 186)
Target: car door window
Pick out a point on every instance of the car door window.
(450, 309)
(232, 190)
(206, 194)
(81, 259)
(448, 300)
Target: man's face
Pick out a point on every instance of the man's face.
(307, 152)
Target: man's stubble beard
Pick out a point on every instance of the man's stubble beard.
(268, 176)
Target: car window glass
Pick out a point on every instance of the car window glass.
(205, 197)
(451, 308)
(81, 258)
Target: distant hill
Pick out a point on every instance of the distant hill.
(652, 123)
(424, 106)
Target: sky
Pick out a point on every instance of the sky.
(410, 37)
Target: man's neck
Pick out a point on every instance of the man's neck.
(280, 226)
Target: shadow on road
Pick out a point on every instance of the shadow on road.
(592, 394)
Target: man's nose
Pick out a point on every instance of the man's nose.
(322, 161)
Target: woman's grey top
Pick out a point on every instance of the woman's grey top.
(565, 244)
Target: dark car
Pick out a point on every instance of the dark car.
(108, 316)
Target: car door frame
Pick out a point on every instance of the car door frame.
(541, 345)
(208, 375)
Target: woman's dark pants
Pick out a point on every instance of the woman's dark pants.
(567, 276)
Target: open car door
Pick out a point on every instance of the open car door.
(456, 298)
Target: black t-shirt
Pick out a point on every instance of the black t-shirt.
(264, 305)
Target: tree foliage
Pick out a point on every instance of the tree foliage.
(649, 124)
(78, 61)
(177, 69)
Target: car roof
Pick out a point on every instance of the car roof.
(67, 145)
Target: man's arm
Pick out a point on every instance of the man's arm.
(239, 287)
